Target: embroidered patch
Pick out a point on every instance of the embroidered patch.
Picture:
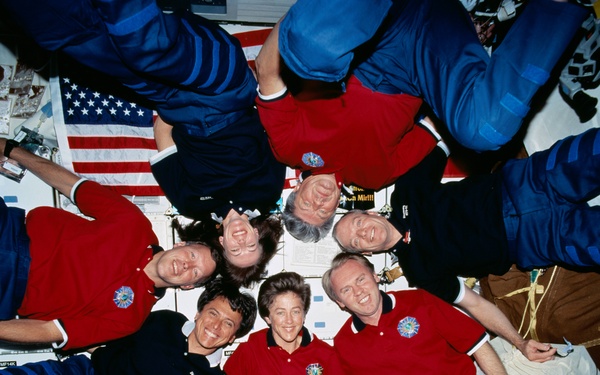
(123, 297)
(312, 160)
(314, 369)
(408, 327)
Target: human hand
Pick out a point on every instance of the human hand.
(537, 352)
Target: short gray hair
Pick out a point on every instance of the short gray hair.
(300, 229)
(338, 261)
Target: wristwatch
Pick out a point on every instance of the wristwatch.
(10, 144)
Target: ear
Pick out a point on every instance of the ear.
(297, 186)
(221, 240)
(178, 244)
(376, 277)
(340, 304)
(373, 213)
(268, 320)
(366, 253)
(256, 231)
(196, 316)
(187, 287)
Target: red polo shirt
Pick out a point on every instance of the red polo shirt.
(417, 333)
(366, 138)
(90, 273)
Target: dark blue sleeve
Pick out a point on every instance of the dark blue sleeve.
(425, 175)
(170, 175)
(183, 191)
(446, 288)
(151, 350)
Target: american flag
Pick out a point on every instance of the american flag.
(104, 138)
(108, 139)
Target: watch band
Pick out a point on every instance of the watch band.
(10, 144)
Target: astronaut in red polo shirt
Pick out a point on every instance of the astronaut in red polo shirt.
(286, 347)
(76, 282)
(402, 332)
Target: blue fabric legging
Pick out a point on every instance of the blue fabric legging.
(429, 48)
(546, 215)
(14, 259)
(76, 365)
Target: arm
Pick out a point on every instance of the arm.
(268, 65)
(488, 360)
(494, 320)
(30, 331)
(49, 172)
(163, 134)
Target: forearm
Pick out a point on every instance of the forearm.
(30, 331)
(268, 65)
(163, 134)
(488, 360)
(495, 321)
(49, 172)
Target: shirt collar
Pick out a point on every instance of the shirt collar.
(304, 175)
(388, 301)
(306, 337)
(188, 328)
(241, 210)
(214, 359)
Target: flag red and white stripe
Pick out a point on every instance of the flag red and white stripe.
(104, 138)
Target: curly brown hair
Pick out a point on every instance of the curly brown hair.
(270, 230)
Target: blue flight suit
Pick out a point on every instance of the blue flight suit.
(429, 49)
(546, 215)
(197, 76)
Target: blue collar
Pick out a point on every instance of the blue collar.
(306, 337)
(388, 305)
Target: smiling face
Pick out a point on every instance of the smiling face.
(286, 318)
(240, 240)
(356, 289)
(317, 198)
(216, 326)
(366, 232)
(184, 266)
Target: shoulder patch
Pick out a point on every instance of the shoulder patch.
(408, 327)
(313, 160)
(123, 297)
